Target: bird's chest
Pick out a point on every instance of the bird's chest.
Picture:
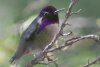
(45, 37)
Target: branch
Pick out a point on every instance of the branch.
(76, 39)
(93, 62)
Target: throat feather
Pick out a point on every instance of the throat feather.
(43, 25)
(45, 22)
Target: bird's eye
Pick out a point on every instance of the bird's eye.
(46, 13)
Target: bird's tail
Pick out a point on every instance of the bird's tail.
(12, 60)
(17, 56)
(19, 53)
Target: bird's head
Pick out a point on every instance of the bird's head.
(49, 15)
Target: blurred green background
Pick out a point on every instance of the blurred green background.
(15, 12)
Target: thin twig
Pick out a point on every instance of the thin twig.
(66, 34)
(74, 40)
(76, 12)
(93, 62)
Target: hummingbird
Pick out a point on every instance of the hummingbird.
(39, 33)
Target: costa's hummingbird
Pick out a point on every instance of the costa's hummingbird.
(39, 33)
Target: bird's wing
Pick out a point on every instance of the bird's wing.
(31, 30)
(29, 33)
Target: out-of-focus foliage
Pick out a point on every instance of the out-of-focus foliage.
(14, 12)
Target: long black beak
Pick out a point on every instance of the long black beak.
(59, 10)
